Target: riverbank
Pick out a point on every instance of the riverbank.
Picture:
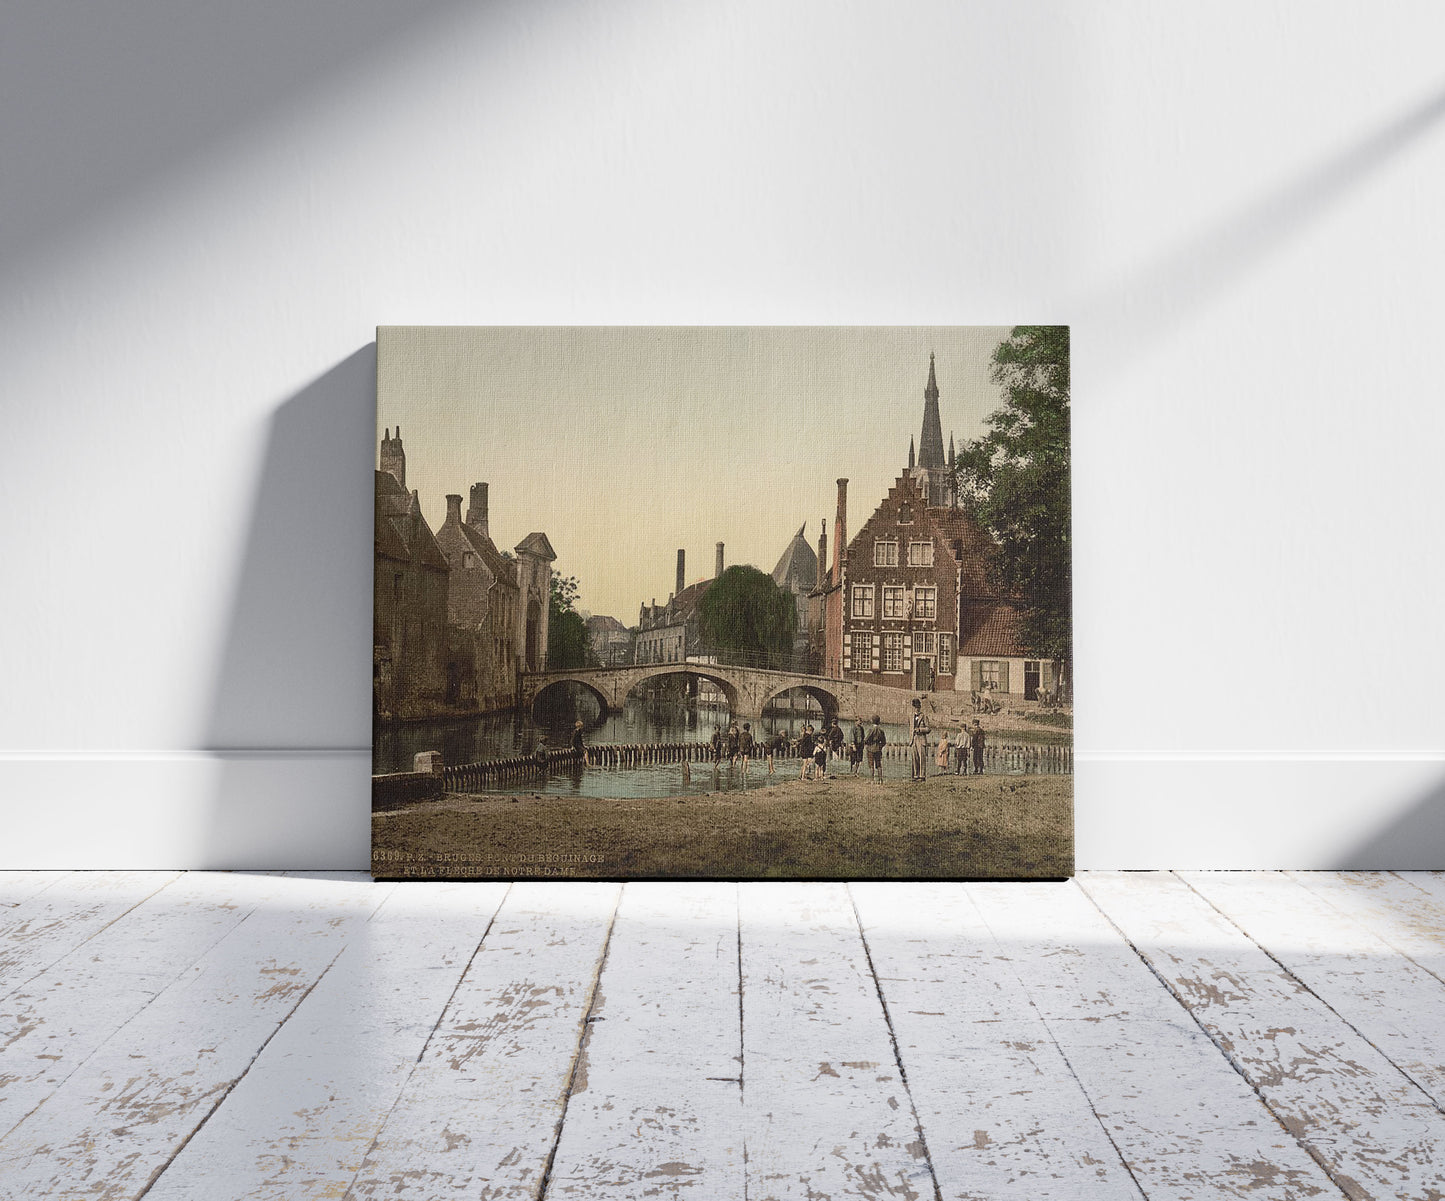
(839, 828)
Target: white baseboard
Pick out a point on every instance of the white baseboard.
(309, 809)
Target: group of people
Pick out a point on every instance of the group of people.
(968, 739)
(813, 747)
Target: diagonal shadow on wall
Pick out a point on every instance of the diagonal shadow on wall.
(1412, 842)
(290, 716)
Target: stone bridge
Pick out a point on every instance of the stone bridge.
(747, 689)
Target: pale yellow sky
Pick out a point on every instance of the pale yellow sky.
(624, 444)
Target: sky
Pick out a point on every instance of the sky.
(623, 444)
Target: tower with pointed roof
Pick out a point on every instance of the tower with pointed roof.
(930, 470)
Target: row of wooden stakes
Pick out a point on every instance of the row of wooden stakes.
(1049, 759)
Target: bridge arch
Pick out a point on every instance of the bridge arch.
(831, 706)
(697, 670)
(578, 681)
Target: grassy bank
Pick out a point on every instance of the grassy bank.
(843, 828)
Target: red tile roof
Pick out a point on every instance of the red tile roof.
(990, 629)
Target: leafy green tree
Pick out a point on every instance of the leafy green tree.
(1015, 482)
(567, 642)
(745, 617)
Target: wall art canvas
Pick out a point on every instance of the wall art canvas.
(727, 603)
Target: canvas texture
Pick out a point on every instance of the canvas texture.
(722, 603)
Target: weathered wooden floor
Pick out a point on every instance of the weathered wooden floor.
(1169, 1035)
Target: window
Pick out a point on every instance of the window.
(925, 603)
(862, 600)
(945, 654)
(885, 554)
(892, 657)
(920, 554)
(923, 642)
(905, 514)
(468, 559)
(893, 601)
(989, 673)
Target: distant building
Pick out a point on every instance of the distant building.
(610, 640)
(409, 606)
(672, 633)
(797, 572)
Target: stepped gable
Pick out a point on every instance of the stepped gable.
(962, 538)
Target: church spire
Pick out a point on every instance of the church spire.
(910, 454)
(930, 445)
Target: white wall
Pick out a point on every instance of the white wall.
(207, 207)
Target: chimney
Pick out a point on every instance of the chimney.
(454, 509)
(393, 456)
(840, 532)
(679, 569)
(719, 570)
(477, 510)
(823, 555)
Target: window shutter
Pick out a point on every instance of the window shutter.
(1003, 676)
(977, 676)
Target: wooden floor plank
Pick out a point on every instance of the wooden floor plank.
(16, 887)
(479, 1115)
(300, 1123)
(1186, 1124)
(51, 1024)
(1392, 1002)
(124, 1114)
(1374, 1130)
(1402, 908)
(47, 925)
(826, 1111)
(656, 1108)
(1002, 1115)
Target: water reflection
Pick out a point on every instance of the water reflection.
(502, 735)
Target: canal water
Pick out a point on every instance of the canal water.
(503, 736)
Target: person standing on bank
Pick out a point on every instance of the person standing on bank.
(579, 747)
(855, 747)
(745, 744)
(976, 741)
(960, 748)
(875, 742)
(918, 756)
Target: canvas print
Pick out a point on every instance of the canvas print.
(727, 603)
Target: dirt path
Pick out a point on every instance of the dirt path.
(838, 828)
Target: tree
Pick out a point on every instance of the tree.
(1015, 482)
(567, 642)
(744, 616)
